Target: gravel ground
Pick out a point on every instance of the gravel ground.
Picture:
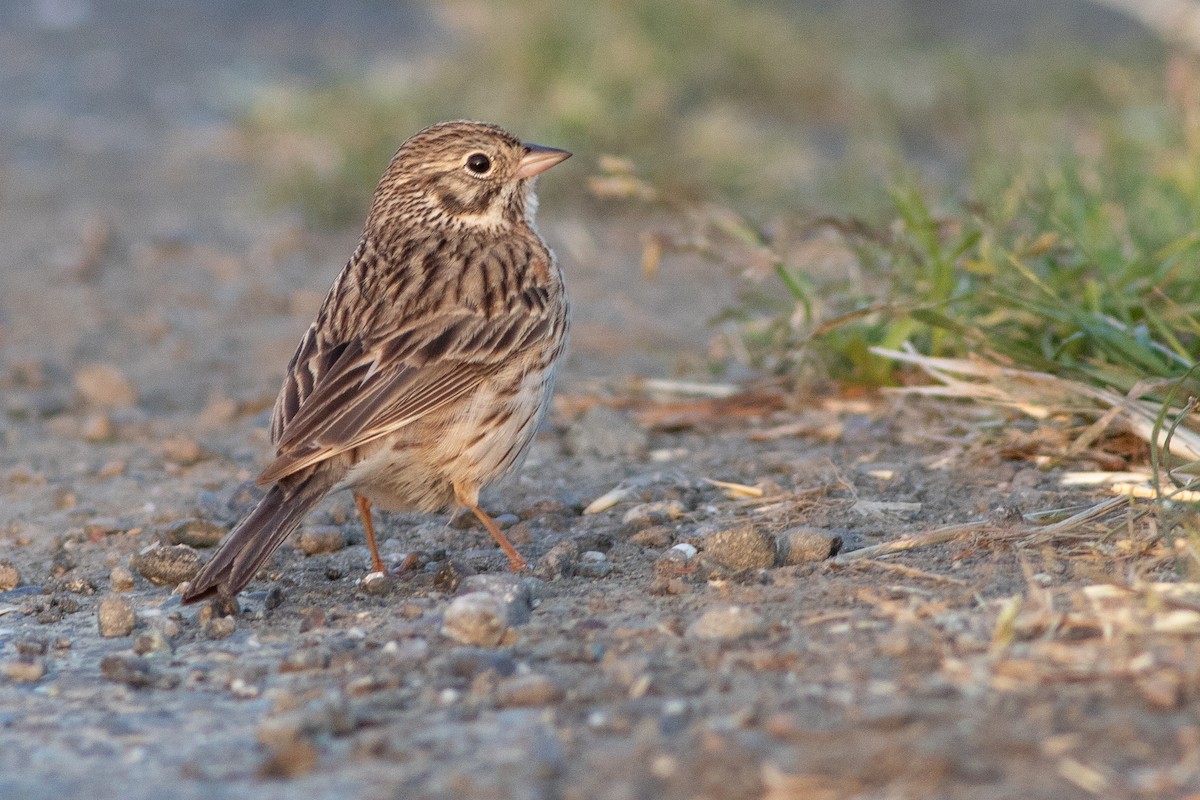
(676, 638)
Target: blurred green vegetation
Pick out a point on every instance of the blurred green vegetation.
(1038, 204)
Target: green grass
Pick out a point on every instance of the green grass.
(1041, 205)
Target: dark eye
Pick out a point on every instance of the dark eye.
(478, 163)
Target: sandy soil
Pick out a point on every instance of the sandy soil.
(664, 645)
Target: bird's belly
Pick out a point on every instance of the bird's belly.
(472, 444)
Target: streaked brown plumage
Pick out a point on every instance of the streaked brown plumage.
(431, 361)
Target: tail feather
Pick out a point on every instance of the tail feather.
(244, 551)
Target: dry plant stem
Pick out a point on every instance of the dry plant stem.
(913, 541)
(364, 511)
(910, 572)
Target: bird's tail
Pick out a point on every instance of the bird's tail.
(251, 543)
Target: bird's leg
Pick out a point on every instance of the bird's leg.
(470, 502)
(364, 511)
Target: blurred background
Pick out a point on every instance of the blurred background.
(759, 187)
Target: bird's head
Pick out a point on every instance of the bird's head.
(462, 175)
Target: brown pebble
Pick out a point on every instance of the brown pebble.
(96, 427)
(658, 537)
(25, 670)
(167, 566)
(724, 623)
(311, 619)
(10, 576)
(802, 545)
(290, 760)
(315, 539)
(741, 547)
(152, 641)
(522, 691)
(1162, 689)
(136, 671)
(115, 617)
(105, 386)
(182, 450)
(220, 627)
(121, 580)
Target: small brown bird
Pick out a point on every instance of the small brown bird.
(430, 364)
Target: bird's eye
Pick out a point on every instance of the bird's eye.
(478, 163)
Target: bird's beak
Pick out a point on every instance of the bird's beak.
(538, 159)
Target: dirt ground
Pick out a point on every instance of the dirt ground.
(667, 644)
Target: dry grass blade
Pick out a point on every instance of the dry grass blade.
(1040, 395)
(913, 541)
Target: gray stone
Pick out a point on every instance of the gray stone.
(516, 593)
(476, 618)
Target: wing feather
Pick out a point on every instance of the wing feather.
(372, 389)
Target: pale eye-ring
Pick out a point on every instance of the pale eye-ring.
(478, 163)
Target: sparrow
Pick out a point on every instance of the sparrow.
(431, 362)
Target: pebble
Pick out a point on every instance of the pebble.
(182, 450)
(605, 433)
(678, 561)
(802, 545)
(312, 618)
(594, 564)
(330, 715)
(523, 691)
(741, 547)
(657, 537)
(306, 659)
(476, 618)
(315, 539)
(375, 583)
(725, 623)
(120, 579)
(220, 627)
(152, 641)
(167, 566)
(659, 512)
(136, 671)
(10, 576)
(468, 662)
(104, 385)
(196, 532)
(25, 670)
(291, 760)
(1163, 689)
(115, 617)
(97, 427)
(559, 561)
(514, 592)
(31, 646)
